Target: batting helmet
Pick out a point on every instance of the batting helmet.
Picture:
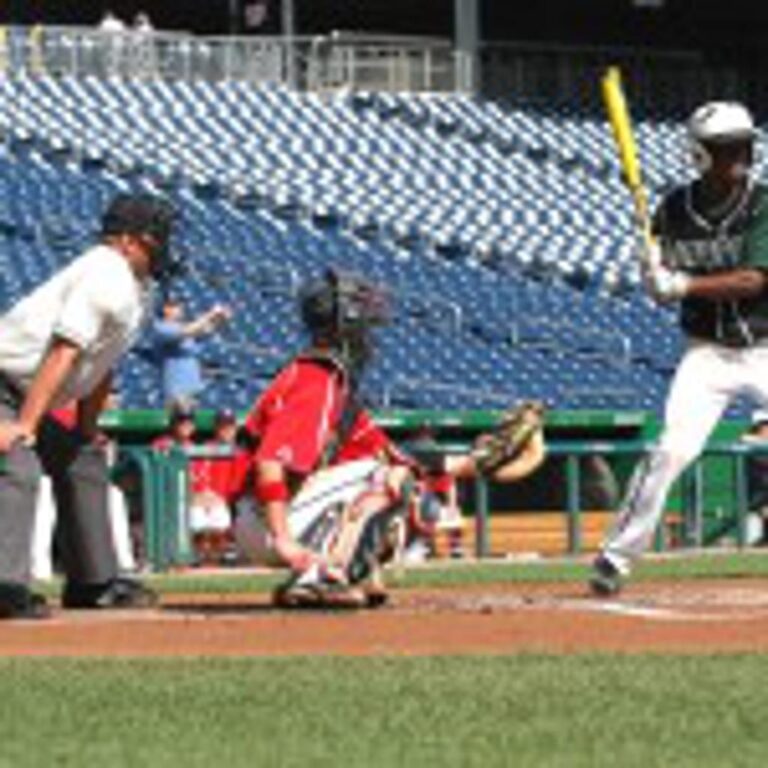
(143, 214)
(717, 124)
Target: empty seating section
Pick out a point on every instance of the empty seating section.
(504, 232)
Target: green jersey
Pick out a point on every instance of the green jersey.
(699, 245)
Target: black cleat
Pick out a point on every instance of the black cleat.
(116, 593)
(606, 581)
(17, 601)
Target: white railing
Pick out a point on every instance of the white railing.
(312, 63)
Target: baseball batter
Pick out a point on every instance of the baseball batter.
(710, 253)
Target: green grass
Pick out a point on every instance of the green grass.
(590, 710)
(448, 574)
(485, 711)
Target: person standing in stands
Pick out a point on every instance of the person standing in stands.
(176, 350)
(59, 344)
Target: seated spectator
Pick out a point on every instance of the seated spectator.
(215, 483)
(181, 429)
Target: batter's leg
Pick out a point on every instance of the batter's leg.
(699, 394)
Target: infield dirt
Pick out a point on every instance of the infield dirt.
(699, 616)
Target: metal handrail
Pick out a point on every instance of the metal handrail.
(564, 336)
(410, 383)
(305, 62)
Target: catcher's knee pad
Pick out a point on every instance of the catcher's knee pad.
(375, 545)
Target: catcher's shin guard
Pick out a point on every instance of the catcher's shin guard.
(380, 539)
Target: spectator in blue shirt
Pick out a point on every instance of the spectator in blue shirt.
(176, 350)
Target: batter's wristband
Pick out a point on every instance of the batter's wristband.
(275, 490)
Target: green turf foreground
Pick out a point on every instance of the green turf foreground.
(595, 710)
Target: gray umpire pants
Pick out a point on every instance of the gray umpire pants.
(79, 476)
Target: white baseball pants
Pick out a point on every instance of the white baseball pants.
(336, 486)
(708, 377)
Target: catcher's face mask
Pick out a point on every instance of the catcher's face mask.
(342, 303)
(340, 309)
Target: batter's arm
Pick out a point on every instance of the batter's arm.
(734, 284)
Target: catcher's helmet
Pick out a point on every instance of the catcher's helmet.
(339, 310)
(718, 124)
(341, 303)
(143, 214)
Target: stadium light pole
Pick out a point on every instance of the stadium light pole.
(234, 17)
(466, 20)
(288, 27)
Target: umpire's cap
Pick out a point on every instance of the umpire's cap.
(142, 214)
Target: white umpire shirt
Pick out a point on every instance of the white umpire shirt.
(96, 302)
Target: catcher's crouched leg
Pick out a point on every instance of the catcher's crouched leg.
(319, 587)
(359, 584)
(370, 533)
(376, 539)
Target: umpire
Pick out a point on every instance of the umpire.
(58, 345)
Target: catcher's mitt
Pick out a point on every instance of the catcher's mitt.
(497, 449)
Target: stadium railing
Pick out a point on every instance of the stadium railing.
(531, 72)
(350, 61)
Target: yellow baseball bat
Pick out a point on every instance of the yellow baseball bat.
(618, 116)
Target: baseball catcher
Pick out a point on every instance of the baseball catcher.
(330, 494)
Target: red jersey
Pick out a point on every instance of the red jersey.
(295, 418)
(221, 474)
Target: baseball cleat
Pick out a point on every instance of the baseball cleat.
(319, 597)
(376, 594)
(120, 592)
(19, 602)
(376, 597)
(319, 587)
(606, 580)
